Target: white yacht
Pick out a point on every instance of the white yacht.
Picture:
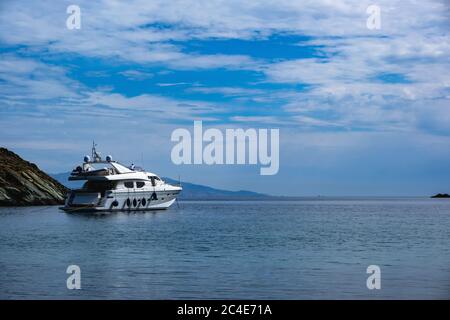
(111, 186)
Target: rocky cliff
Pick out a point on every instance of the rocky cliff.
(23, 184)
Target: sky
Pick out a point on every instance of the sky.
(360, 111)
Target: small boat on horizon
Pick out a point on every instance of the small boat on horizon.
(111, 186)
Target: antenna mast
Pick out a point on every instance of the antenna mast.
(95, 155)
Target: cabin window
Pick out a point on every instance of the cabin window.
(129, 184)
(140, 184)
(153, 181)
(99, 186)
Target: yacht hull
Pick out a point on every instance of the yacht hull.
(115, 201)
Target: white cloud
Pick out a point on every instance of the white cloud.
(342, 87)
(349, 87)
(130, 30)
(136, 75)
(172, 84)
(28, 79)
(228, 91)
(33, 88)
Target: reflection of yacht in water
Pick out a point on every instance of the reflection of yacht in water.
(111, 186)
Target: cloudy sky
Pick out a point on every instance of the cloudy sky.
(360, 111)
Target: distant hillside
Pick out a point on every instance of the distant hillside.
(63, 179)
(190, 191)
(193, 191)
(23, 184)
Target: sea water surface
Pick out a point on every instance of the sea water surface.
(306, 249)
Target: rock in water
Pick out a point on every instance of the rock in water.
(441, 195)
(23, 184)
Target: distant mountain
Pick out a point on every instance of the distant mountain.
(193, 191)
(23, 184)
(190, 191)
(63, 179)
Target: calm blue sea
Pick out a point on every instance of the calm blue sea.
(306, 249)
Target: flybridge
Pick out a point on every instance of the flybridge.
(88, 168)
(234, 147)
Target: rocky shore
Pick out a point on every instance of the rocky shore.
(23, 184)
